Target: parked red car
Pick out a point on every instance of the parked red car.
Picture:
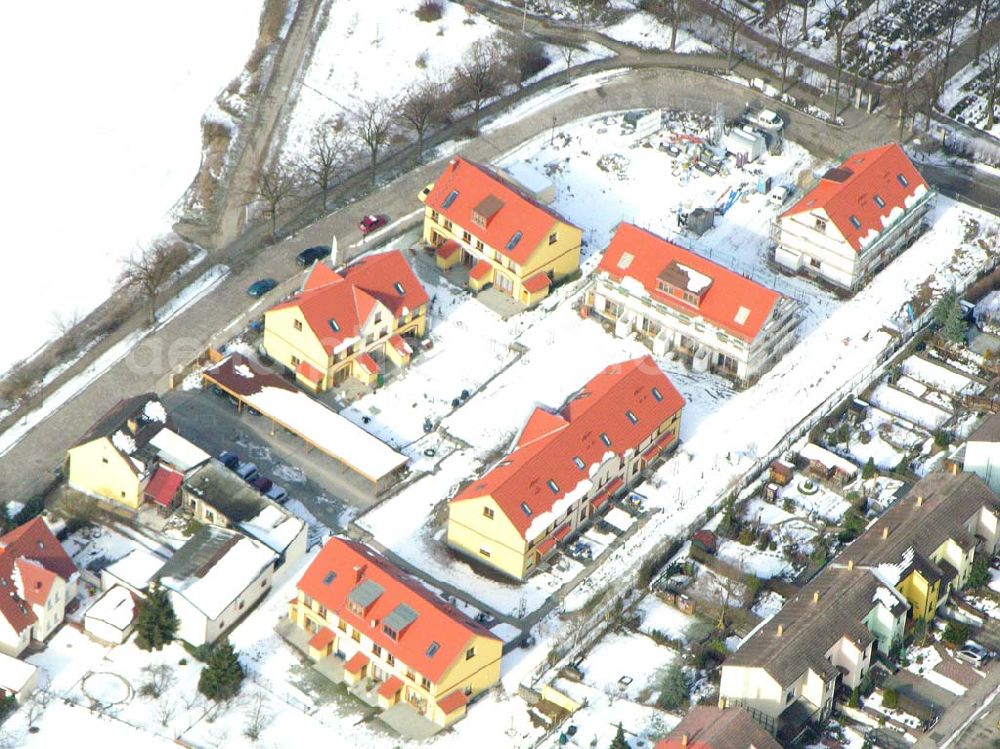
(370, 223)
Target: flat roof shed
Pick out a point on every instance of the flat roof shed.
(319, 426)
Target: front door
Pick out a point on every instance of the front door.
(505, 284)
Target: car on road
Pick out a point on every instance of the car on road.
(309, 256)
(247, 471)
(974, 653)
(229, 460)
(370, 223)
(260, 288)
(277, 493)
(262, 484)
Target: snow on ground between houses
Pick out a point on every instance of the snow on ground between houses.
(646, 31)
(838, 341)
(132, 149)
(660, 616)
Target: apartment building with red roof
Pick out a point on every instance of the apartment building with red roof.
(859, 216)
(677, 300)
(355, 323)
(565, 467)
(500, 231)
(392, 639)
(706, 727)
(37, 581)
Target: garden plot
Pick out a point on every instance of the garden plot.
(966, 98)
(627, 664)
(884, 438)
(750, 560)
(904, 404)
(940, 376)
(814, 499)
(784, 526)
(659, 616)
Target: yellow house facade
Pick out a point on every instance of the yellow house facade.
(506, 239)
(392, 639)
(351, 324)
(566, 468)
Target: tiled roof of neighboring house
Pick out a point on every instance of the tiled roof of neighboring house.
(851, 193)
(934, 510)
(336, 305)
(245, 377)
(734, 303)
(832, 606)
(431, 634)
(225, 491)
(988, 431)
(515, 224)
(30, 556)
(613, 413)
(143, 412)
(163, 486)
(706, 727)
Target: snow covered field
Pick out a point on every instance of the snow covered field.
(108, 141)
(646, 31)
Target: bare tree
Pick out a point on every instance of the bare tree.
(567, 52)
(326, 156)
(525, 57)
(804, 7)
(164, 709)
(781, 26)
(159, 677)
(929, 86)
(984, 9)
(274, 186)
(257, 717)
(950, 42)
(734, 22)
(420, 108)
(35, 706)
(837, 23)
(992, 65)
(902, 94)
(670, 11)
(479, 77)
(373, 126)
(148, 269)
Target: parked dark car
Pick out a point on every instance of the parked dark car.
(229, 460)
(309, 256)
(260, 288)
(262, 484)
(277, 493)
(370, 223)
(247, 471)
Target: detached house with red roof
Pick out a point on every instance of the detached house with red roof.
(565, 467)
(706, 727)
(394, 640)
(859, 217)
(354, 323)
(679, 301)
(501, 233)
(37, 581)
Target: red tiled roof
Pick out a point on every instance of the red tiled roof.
(537, 282)
(400, 345)
(436, 621)
(448, 249)
(706, 727)
(561, 532)
(734, 303)
(366, 361)
(452, 701)
(321, 639)
(480, 269)
(390, 686)
(308, 371)
(475, 183)
(550, 441)
(347, 299)
(850, 190)
(37, 556)
(162, 487)
(546, 546)
(355, 663)
(244, 376)
(657, 447)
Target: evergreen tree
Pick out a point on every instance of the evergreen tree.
(979, 575)
(954, 327)
(619, 741)
(943, 306)
(675, 690)
(868, 472)
(222, 675)
(156, 623)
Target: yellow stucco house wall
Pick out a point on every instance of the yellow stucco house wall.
(98, 469)
(488, 536)
(922, 594)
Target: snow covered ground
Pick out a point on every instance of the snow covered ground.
(966, 96)
(115, 113)
(645, 30)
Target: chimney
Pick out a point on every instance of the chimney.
(920, 500)
(781, 630)
(684, 739)
(815, 596)
(359, 572)
(885, 532)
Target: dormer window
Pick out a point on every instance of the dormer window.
(484, 212)
(878, 201)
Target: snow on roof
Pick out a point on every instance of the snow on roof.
(177, 451)
(136, 568)
(124, 442)
(889, 573)
(223, 581)
(812, 451)
(14, 673)
(243, 370)
(527, 177)
(741, 315)
(328, 430)
(273, 526)
(154, 411)
(697, 282)
(116, 607)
